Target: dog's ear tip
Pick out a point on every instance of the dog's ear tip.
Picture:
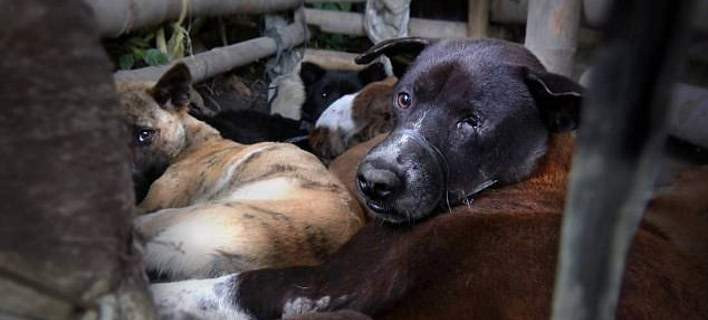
(364, 58)
(558, 97)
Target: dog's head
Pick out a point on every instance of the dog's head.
(353, 119)
(469, 114)
(322, 87)
(154, 114)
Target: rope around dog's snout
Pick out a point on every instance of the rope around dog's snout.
(441, 160)
(445, 166)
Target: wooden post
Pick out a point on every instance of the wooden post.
(66, 196)
(620, 140)
(477, 18)
(552, 32)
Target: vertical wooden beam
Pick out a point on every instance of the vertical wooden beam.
(620, 140)
(477, 18)
(552, 32)
(66, 195)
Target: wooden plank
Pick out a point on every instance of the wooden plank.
(477, 18)
(552, 32)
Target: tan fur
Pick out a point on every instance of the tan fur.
(223, 207)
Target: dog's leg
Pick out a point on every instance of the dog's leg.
(200, 241)
(366, 275)
(198, 299)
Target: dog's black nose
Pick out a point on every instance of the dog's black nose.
(378, 184)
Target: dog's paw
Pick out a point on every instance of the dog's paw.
(198, 299)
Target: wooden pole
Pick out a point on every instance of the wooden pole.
(353, 24)
(620, 140)
(120, 16)
(552, 33)
(477, 18)
(332, 59)
(208, 64)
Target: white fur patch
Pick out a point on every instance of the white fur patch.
(187, 247)
(302, 305)
(212, 299)
(338, 116)
(228, 176)
(271, 189)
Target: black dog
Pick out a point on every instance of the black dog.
(250, 126)
(471, 114)
(322, 87)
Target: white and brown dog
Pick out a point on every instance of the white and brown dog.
(222, 207)
(353, 119)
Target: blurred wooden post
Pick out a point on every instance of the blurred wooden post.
(477, 18)
(552, 32)
(620, 140)
(66, 197)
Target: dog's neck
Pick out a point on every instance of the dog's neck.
(198, 134)
(553, 168)
(543, 190)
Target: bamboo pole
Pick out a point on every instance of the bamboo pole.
(618, 157)
(353, 24)
(115, 17)
(552, 33)
(208, 64)
(332, 59)
(335, 1)
(477, 18)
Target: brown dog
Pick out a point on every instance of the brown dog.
(223, 207)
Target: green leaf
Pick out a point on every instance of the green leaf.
(126, 61)
(154, 57)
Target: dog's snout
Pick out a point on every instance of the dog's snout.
(378, 184)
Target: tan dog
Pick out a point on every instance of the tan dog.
(223, 207)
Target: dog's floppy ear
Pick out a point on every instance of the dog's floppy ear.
(557, 97)
(401, 51)
(173, 87)
(373, 72)
(310, 73)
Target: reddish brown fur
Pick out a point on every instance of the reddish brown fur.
(493, 260)
(679, 212)
(372, 107)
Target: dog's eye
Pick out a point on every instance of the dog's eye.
(404, 100)
(144, 136)
(324, 94)
(469, 122)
